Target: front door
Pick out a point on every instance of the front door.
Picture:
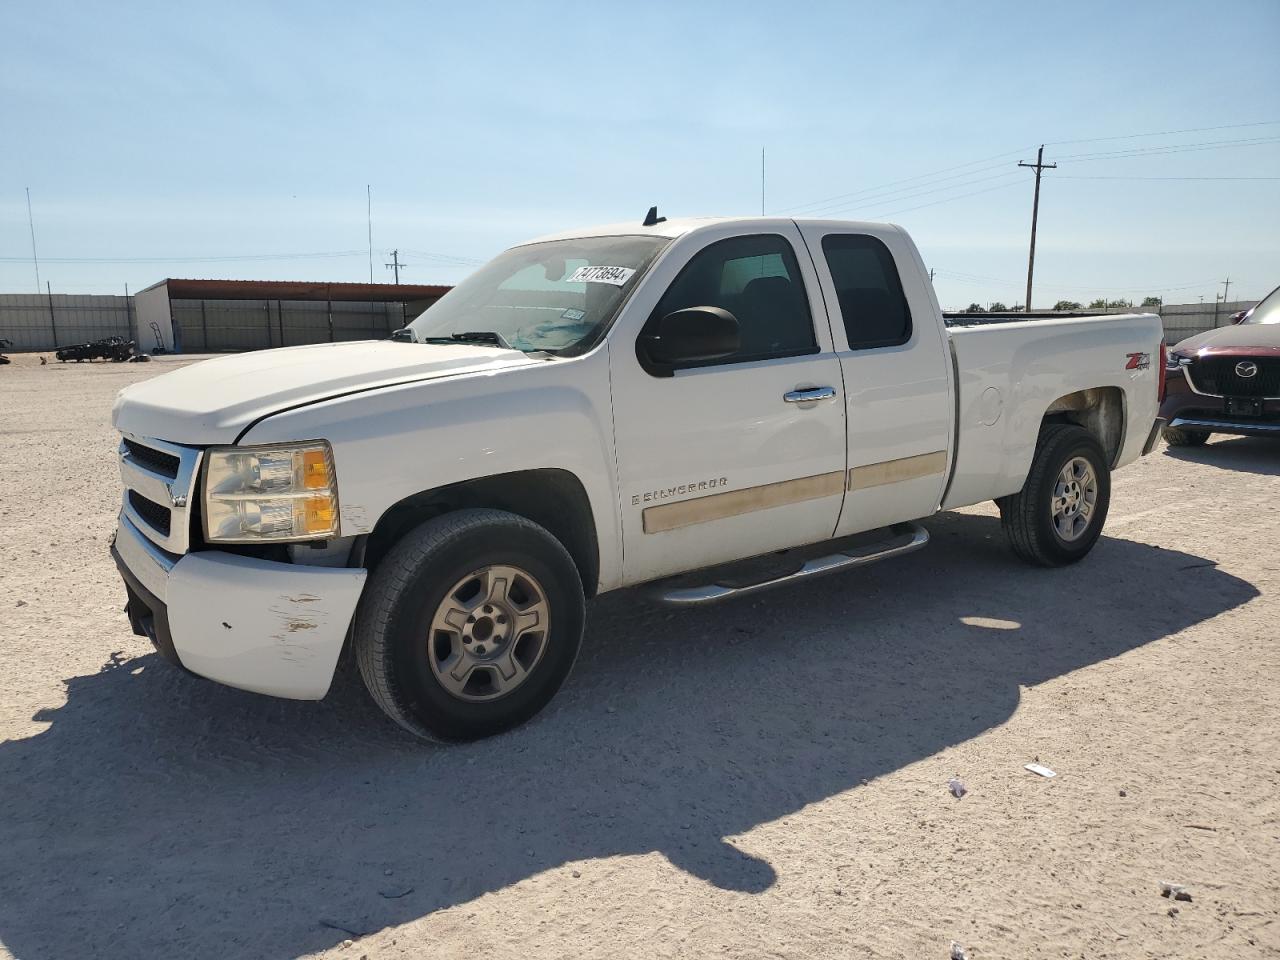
(741, 455)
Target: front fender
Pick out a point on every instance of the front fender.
(394, 442)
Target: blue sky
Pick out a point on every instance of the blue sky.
(232, 131)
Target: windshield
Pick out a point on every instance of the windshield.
(558, 296)
(1268, 311)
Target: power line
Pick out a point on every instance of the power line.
(1169, 148)
(218, 259)
(447, 259)
(909, 193)
(891, 183)
(999, 186)
(932, 176)
(1167, 133)
(1062, 176)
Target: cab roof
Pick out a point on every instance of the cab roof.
(678, 226)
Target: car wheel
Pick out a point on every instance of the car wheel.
(1178, 437)
(470, 625)
(1057, 516)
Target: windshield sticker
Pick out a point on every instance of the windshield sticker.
(614, 275)
(572, 314)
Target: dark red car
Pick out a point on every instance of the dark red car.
(1226, 380)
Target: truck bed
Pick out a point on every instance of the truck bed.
(1012, 370)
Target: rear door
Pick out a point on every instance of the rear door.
(729, 459)
(896, 370)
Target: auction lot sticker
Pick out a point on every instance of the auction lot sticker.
(615, 275)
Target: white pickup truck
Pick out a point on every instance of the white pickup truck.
(710, 407)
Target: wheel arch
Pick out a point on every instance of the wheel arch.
(552, 498)
(1099, 410)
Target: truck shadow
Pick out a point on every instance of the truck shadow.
(1259, 455)
(158, 815)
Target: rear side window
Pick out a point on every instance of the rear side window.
(872, 302)
(756, 279)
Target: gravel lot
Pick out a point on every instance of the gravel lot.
(765, 778)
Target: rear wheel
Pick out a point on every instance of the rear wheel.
(1057, 516)
(470, 625)
(1178, 437)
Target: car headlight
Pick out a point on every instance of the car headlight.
(1175, 363)
(275, 493)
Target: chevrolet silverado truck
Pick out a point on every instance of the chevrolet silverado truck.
(708, 407)
(1226, 380)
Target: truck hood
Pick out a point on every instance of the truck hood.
(1242, 338)
(215, 400)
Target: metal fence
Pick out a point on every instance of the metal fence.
(211, 326)
(44, 322)
(1182, 320)
(38, 321)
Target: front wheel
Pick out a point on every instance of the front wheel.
(469, 625)
(1057, 516)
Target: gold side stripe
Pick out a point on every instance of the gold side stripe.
(719, 506)
(895, 471)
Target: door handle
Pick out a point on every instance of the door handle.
(809, 394)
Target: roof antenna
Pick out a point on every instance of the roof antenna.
(651, 218)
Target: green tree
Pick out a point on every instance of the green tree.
(1098, 304)
(1066, 305)
(1120, 303)
(998, 307)
(973, 308)
(1153, 302)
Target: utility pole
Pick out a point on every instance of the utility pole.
(931, 274)
(32, 224)
(762, 181)
(368, 210)
(395, 264)
(1226, 286)
(53, 323)
(1039, 167)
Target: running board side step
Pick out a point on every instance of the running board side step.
(729, 581)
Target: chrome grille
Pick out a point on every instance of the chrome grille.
(157, 460)
(160, 487)
(157, 515)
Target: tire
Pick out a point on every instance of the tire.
(1177, 437)
(439, 574)
(1031, 519)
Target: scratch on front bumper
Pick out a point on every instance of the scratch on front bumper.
(273, 628)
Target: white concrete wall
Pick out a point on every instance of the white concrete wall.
(152, 305)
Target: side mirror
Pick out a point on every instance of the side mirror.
(692, 335)
(403, 335)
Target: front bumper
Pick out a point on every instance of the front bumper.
(1239, 428)
(1184, 409)
(273, 628)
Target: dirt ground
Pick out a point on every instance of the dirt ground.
(762, 779)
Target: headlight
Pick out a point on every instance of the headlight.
(1175, 363)
(277, 493)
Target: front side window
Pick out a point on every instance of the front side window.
(1268, 311)
(558, 297)
(872, 302)
(757, 280)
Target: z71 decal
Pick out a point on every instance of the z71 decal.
(1138, 361)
